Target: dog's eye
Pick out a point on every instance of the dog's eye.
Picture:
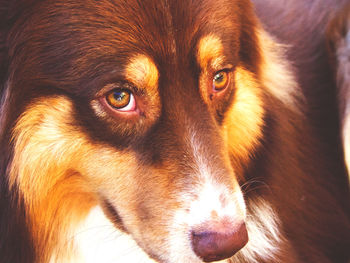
(220, 80)
(121, 99)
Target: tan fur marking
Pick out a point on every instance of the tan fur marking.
(142, 71)
(244, 120)
(210, 58)
(59, 173)
(210, 52)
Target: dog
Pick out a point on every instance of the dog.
(174, 131)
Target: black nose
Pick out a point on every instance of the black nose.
(213, 246)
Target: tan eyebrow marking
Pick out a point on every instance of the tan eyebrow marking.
(142, 71)
(210, 51)
(210, 57)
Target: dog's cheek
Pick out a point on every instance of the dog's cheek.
(113, 176)
(133, 190)
(243, 121)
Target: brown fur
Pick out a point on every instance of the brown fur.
(271, 134)
(339, 51)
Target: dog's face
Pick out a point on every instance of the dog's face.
(148, 108)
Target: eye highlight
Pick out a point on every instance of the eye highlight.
(220, 80)
(121, 100)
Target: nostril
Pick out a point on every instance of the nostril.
(213, 246)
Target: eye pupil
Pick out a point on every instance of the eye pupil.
(220, 80)
(118, 98)
(219, 77)
(119, 95)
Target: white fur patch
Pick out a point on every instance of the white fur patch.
(210, 200)
(211, 195)
(263, 231)
(346, 139)
(277, 73)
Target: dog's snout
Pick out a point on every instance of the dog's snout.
(213, 246)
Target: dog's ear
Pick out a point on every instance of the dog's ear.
(4, 27)
(9, 11)
(13, 232)
(4, 30)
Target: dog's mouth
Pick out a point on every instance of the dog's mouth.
(113, 215)
(207, 242)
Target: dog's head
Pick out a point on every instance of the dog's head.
(151, 109)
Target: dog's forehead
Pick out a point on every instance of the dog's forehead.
(171, 33)
(162, 29)
(80, 45)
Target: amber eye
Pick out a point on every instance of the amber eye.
(121, 99)
(220, 80)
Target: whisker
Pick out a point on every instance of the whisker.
(254, 184)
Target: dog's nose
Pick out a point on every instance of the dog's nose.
(213, 246)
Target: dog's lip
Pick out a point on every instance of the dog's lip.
(113, 215)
